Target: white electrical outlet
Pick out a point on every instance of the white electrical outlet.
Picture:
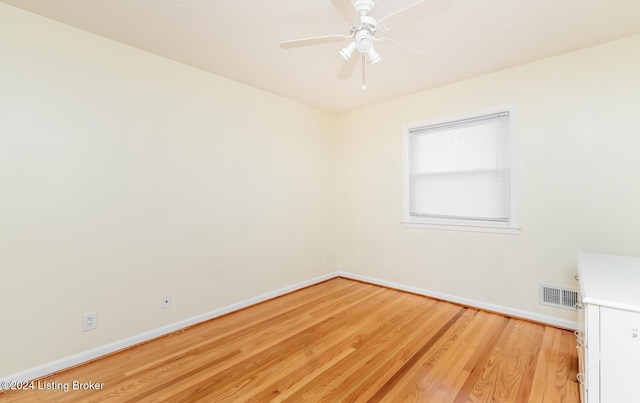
(166, 302)
(89, 321)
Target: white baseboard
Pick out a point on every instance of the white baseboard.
(70, 361)
(517, 313)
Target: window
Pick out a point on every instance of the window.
(460, 173)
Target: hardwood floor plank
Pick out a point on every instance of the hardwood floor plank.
(337, 341)
(363, 383)
(537, 334)
(391, 361)
(483, 354)
(516, 355)
(478, 337)
(352, 335)
(410, 364)
(302, 343)
(568, 389)
(442, 371)
(543, 366)
(503, 372)
(554, 376)
(382, 335)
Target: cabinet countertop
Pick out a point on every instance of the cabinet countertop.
(610, 280)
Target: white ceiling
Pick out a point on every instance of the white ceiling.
(239, 39)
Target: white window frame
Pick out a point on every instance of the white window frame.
(511, 226)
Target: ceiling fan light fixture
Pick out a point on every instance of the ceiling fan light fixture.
(363, 41)
(347, 51)
(373, 56)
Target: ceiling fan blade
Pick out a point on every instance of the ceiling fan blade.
(414, 50)
(313, 41)
(348, 67)
(346, 10)
(424, 8)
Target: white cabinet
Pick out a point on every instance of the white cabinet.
(619, 355)
(609, 334)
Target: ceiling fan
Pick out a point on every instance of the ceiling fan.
(358, 14)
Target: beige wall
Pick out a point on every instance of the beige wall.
(579, 151)
(125, 177)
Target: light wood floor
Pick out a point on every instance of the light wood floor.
(338, 341)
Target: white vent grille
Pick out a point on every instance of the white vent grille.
(559, 297)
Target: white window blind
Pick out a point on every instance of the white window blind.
(460, 170)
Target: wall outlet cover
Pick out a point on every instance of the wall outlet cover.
(89, 321)
(166, 302)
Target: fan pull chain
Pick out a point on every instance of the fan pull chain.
(364, 84)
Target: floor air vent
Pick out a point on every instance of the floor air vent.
(559, 297)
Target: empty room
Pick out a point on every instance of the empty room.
(322, 201)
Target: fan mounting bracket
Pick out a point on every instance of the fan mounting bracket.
(364, 7)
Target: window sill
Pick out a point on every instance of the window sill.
(495, 229)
